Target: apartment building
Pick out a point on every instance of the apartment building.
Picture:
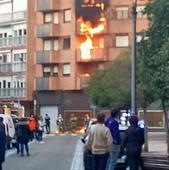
(69, 40)
(13, 51)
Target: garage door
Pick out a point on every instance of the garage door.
(52, 111)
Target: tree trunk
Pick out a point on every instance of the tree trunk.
(166, 124)
(145, 130)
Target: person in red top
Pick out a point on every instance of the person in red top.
(32, 127)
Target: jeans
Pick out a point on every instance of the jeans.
(100, 161)
(112, 160)
(0, 165)
(26, 148)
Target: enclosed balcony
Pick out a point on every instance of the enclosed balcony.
(47, 5)
(44, 57)
(12, 67)
(47, 30)
(16, 41)
(46, 83)
(12, 17)
(12, 93)
(97, 55)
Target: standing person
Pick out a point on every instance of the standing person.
(23, 132)
(100, 143)
(60, 123)
(113, 125)
(32, 127)
(133, 141)
(47, 123)
(40, 129)
(2, 142)
(73, 122)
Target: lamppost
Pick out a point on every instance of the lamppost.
(133, 60)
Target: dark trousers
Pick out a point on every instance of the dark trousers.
(32, 135)
(100, 161)
(0, 165)
(47, 128)
(133, 162)
(26, 147)
(40, 134)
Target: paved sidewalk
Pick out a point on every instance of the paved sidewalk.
(157, 143)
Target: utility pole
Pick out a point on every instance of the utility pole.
(133, 60)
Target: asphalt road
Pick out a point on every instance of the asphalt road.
(57, 153)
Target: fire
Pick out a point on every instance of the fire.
(88, 31)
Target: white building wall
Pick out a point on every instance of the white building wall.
(6, 8)
(19, 5)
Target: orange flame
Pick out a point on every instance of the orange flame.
(88, 31)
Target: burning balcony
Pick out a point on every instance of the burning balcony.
(47, 5)
(96, 55)
(47, 30)
(46, 83)
(44, 57)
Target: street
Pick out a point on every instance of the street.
(63, 152)
(58, 152)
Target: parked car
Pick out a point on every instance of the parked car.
(87, 157)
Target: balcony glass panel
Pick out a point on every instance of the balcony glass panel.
(5, 67)
(12, 92)
(12, 41)
(43, 30)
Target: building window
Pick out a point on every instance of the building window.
(140, 14)
(122, 12)
(67, 15)
(55, 71)
(56, 45)
(66, 69)
(46, 71)
(56, 17)
(66, 43)
(47, 45)
(122, 41)
(48, 17)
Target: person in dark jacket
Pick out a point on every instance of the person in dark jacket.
(2, 143)
(23, 133)
(133, 141)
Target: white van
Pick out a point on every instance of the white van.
(9, 125)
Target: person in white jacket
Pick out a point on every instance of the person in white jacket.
(100, 143)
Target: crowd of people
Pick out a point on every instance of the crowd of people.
(104, 142)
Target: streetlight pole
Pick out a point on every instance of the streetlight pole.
(133, 60)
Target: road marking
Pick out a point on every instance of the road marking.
(77, 162)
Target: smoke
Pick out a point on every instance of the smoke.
(88, 10)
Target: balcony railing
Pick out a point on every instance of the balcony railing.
(98, 55)
(13, 41)
(47, 5)
(44, 57)
(16, 16)
(47, 30)
(12, 67)
(13, 93)
(46, 83)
